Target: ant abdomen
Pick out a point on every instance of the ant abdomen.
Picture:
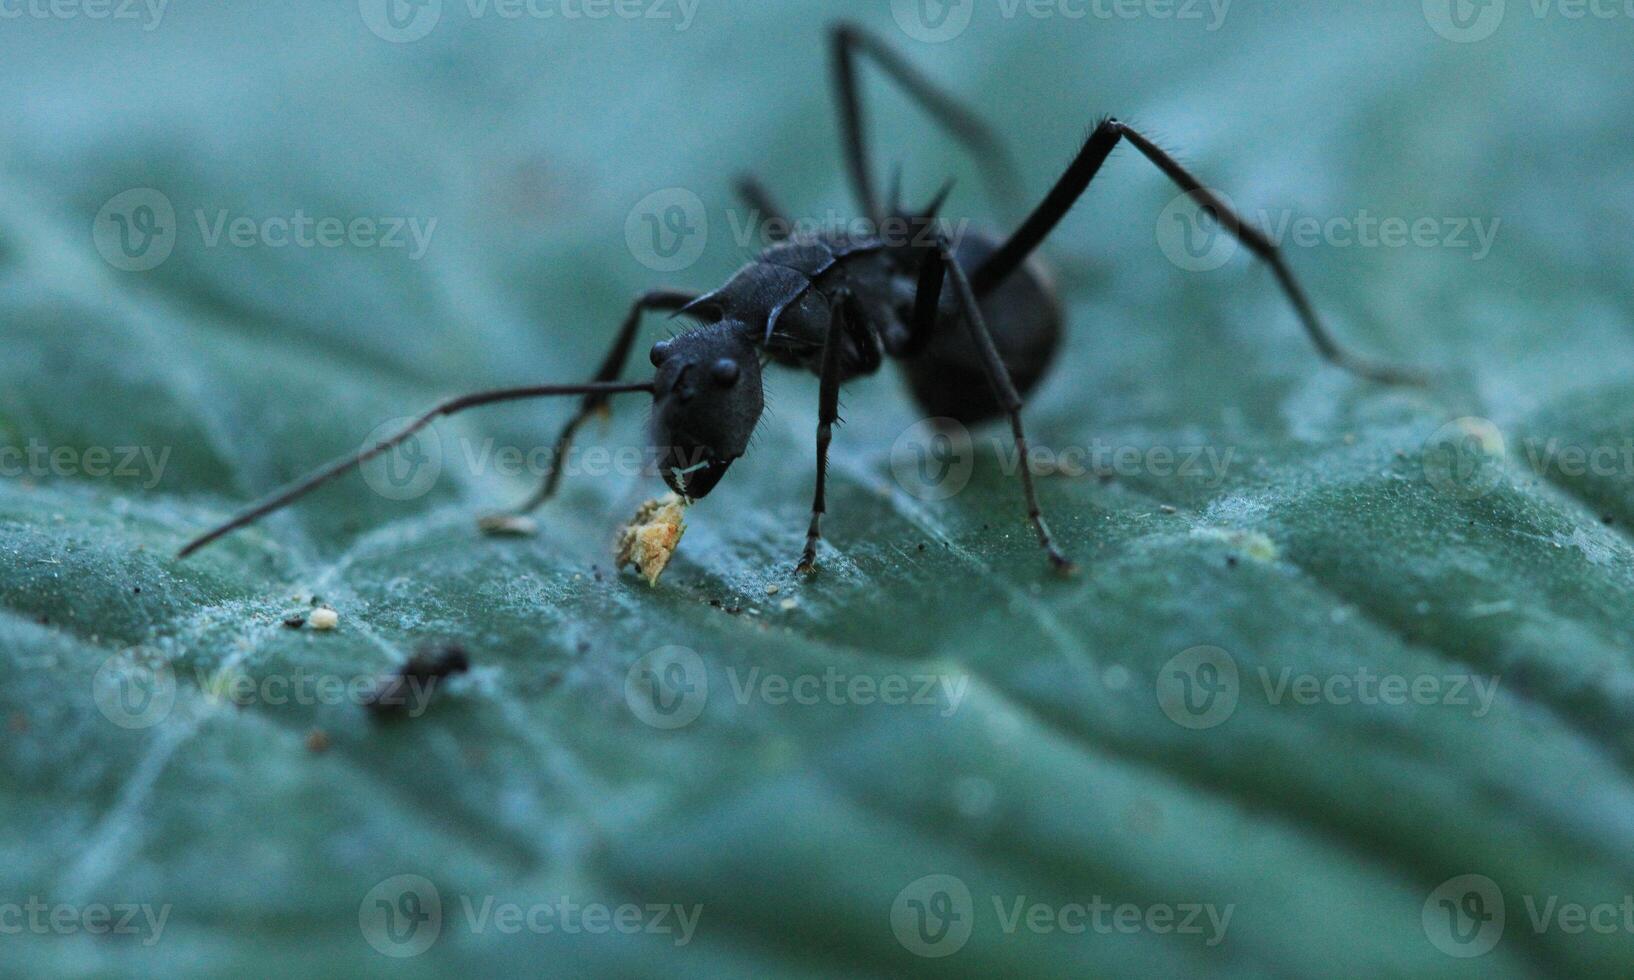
(946, 374)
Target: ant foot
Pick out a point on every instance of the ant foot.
(508, 525)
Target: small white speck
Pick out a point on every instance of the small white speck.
(324, 619)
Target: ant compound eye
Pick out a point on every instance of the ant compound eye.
(725, 372)
(659, 351)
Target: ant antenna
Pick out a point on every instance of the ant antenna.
(346, 463)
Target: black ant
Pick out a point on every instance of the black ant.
(837, 304)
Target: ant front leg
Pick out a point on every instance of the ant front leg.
(940, 264)
(1075, 182)
(659, 300)
(844, 319)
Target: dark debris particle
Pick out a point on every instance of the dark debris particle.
(921, 546)
(317, 601)
(1231, 561)
(317, 741)
(406, 692)
(294, 622)
(136, 590)
(1607, 520)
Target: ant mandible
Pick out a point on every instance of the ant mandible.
(838, 303)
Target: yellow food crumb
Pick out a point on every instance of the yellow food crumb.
(1252, 544)
(650, 539)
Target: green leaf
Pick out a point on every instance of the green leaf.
(1413, 608)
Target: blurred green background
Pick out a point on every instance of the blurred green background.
(1055, 774)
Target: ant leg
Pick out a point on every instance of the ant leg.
(999, 376)
(850, 40)
(449, 407)
(611, 367)
(828, 412)
(1076, 180)
(757, 199)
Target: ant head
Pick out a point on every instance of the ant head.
(706, 402)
